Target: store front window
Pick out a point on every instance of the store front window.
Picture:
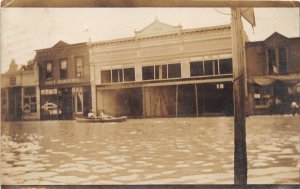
(29, 100)
(262, 96)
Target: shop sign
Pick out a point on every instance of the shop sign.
(63, 81)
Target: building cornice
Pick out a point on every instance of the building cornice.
(185, 32)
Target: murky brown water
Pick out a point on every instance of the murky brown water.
(148, 151)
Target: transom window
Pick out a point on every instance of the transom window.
(117, 75)
(166, 71)
(211, 67)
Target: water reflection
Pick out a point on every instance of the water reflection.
(161, 151)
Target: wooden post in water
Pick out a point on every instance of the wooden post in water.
(240, 152)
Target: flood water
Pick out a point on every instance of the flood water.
(148, 151)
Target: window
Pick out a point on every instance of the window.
(3, 97)
(63, 69)
(262, 96)
(209, 67)
(161, 71)
(148, 72)
(220, 86)
(197, 68)
(225, 66)
(277, 61)
(272, 61)
(282, 61)
(29, 100)
(216, 67)
(79, 67)
(129, 74)
(49, 70)
(106, 76)
(174, 70)
(12, 80)
(117, 75)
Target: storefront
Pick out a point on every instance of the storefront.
(64, 81)
(164, 71)
(273, 94)
(20, 93)
(65, 102)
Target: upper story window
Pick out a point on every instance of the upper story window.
(106, 76)
(174, 70)
(277, 61)
(148, 72)
(166, 71)
(211, 67)
(282, 61)
(225, 66)
(12, 80)
(63, 69)
(49, 70)
(129, 74)
(117, 75)
(79, 67)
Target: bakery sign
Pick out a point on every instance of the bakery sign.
(63, 81)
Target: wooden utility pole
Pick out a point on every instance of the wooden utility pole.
(240, 152)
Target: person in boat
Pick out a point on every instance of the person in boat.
(91, 114)
(103, 115)
(294, 107)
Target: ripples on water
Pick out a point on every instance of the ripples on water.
(148, 151)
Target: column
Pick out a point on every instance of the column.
(38, 102)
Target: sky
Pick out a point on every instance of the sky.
(25, 30)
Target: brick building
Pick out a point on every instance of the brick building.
(64, 80)
(273, 69)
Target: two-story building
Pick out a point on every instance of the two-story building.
(273, 69)
(64, 80)
(20, 94)
(164, 71)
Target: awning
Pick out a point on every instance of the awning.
(263, 81)
(270, 79)
(290, 79)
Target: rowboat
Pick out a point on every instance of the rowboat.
(102, 119)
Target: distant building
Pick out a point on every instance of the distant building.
(20, 94)
(273, 69)
(64, 80)
(164, 71)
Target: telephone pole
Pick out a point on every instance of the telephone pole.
(240, 151)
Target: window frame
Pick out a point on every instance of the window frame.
(30, 97)
(49, 73)
(63, 72)
(81, 74)
(165, 72)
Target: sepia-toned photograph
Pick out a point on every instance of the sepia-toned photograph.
(150, 95)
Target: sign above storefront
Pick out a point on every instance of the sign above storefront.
(63, 81)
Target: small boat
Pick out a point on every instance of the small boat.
(102, 119)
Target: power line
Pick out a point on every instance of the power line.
(221, 12)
